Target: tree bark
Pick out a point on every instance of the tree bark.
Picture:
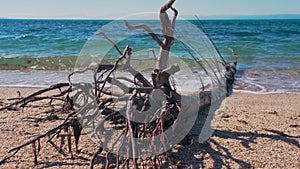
(167, 28)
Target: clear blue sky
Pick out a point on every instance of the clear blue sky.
(117, 8)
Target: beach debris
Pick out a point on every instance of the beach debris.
(22, 102)
(159, 96)
(3, 117)
(33, 67)
(273, 112)
(294, 126)
(243, 121)
(226, 116)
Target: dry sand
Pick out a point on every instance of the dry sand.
(254, 131)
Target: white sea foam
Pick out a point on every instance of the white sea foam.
(187, 81)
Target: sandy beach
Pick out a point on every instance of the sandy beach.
(144, 85)
(254, 131)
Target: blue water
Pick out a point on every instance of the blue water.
(41, 38)
(269, 50)
(274, 43)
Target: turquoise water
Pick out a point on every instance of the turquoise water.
(42, 38)
(269, 50)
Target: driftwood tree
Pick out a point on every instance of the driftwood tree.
(156, 95)
(167, 29)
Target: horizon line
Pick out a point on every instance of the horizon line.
(188, 17)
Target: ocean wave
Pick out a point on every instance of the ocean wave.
(268, 80)
(27, 37)
(245, 34)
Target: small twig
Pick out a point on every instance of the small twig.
(25, 99)
(16, 149)
(95, 156)
(61, 151)
(114, 68)
(9, 156)
(115, 46)
(147, 29)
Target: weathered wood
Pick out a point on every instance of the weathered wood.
(31, 97)
(167, 28)
(147, 29)
(126, 66)
(100, 149)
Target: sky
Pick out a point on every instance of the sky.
(113, 9)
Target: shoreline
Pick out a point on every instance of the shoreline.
(46, 78)
(235, 91)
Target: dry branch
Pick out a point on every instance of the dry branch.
(33, 96)
(33, 141)
(126, 66)
(147, 29)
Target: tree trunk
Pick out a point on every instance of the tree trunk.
(167, 28)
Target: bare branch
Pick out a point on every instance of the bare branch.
(32, 96)
(147, 29)
(115, 67)
(174, 18)
(168, 5)
(172, 69)
(127, 66)
(129, 89)
(115, 46)
(95, 156)
(174, 10)
(48, 133)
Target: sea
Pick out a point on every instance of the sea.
(268, 49)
